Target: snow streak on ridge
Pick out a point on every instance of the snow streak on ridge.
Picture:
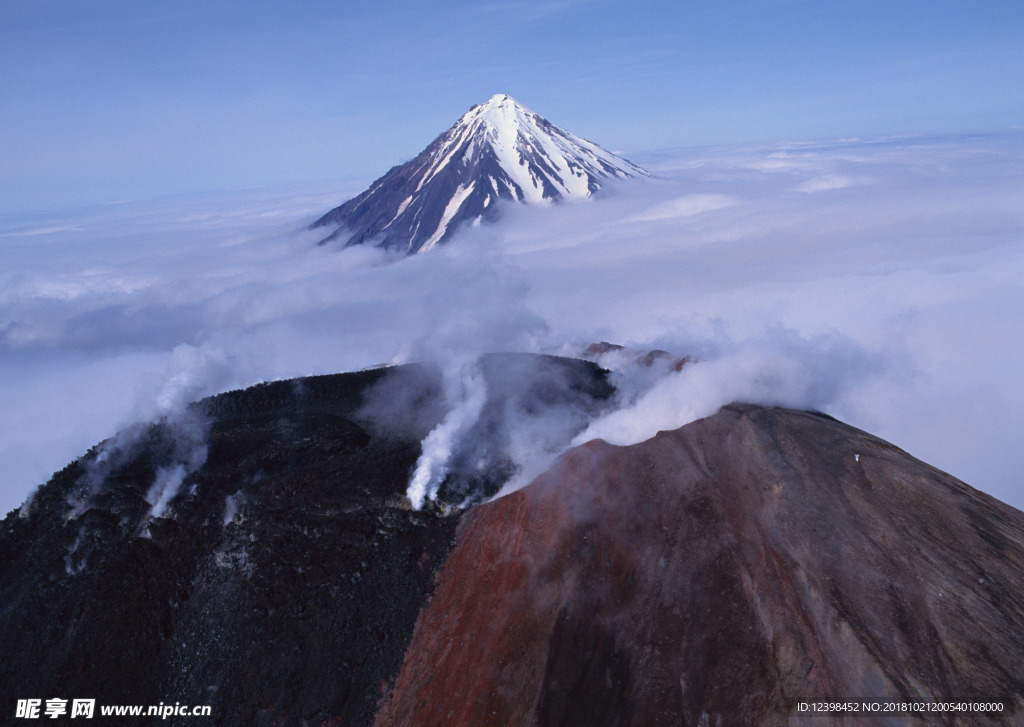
(497, 150)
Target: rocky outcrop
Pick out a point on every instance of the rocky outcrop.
(723, 574)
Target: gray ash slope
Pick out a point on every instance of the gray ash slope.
(282, 583)
(499, 150)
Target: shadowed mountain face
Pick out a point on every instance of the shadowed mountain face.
(259, 555)
(259, 593)
(281, 580)
(720, 575)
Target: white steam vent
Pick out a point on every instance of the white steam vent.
(432, 466)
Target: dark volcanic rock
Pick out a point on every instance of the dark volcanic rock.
(722, 574)
(281, 584)
(258, 555)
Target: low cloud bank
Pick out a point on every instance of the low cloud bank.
(878, 281)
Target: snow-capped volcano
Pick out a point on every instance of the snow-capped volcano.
(497, 150)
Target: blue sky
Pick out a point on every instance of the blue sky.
(105, 100)
(878, 279)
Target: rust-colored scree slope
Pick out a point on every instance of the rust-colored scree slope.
(722, 574)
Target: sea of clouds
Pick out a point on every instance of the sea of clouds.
(880, 281)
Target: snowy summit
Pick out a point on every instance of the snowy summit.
(497, 150)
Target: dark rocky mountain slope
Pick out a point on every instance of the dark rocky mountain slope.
(720, 574)
(281, 585)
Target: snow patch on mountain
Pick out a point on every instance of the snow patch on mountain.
(499, 150)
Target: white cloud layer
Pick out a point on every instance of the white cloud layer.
(878, 281)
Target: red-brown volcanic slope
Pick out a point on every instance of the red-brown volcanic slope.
(720, 575)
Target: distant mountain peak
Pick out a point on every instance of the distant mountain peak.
(498, 150)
